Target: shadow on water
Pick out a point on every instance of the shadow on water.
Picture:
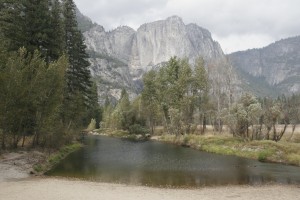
(157, 164)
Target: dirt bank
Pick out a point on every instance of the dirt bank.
(17, 165)
(58, 189)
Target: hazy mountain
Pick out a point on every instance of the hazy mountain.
(271, 70)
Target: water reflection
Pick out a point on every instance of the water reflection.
(157, 164)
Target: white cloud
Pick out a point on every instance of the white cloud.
(234, 42)
(231, 21)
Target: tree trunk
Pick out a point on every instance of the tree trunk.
(247, 131)
(278, 138)
(3, 140)
(259, 131)
(152, 125)
(293, 130)
(274, 132)
(253, 132)
(203, 124)
(268, 132)
(23, 142)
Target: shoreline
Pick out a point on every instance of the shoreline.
(262, 150)
(22, 164)
(17, 183)
(56, 188)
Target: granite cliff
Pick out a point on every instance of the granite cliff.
(120, 57)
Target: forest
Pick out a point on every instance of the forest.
(46, 90)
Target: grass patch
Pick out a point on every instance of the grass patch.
(38, 168)
(294, 159)
(262, 156)
(62, 153)
(265, 150)
(56, 157)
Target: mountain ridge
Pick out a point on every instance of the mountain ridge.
(278, 63)
(121, 56)
(125, 54)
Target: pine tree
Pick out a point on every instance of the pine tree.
(56, 36)
(78, 74)
(78, 84)
(11, 25)
(29, 24)
(37, 29)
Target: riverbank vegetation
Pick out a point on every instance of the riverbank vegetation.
(46, 91)
(264, 150)
(183, 99)
(180, 97)
(55, 157)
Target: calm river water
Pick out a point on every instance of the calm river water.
(152, 163)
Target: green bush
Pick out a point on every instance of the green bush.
(262, 156)
(138, 129)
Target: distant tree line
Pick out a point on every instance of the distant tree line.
(184, 99)
(46, 90)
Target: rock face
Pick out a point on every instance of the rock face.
(277, 66)
(120, 57)
(156, 42)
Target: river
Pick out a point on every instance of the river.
(151, 163)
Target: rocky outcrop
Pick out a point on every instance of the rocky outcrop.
(277, 65)
(120, 57)
(157, 42)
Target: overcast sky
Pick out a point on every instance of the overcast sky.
(235, 24)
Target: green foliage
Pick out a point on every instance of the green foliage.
(44, 93)
(240, 116)
(124, 116)
(294, 158)
(283, 152)
(173, 93)
(77, 94)
(33, 25)
(56, 157)
(150, 99)
(31, 93)
(262, 156)
(137, 129)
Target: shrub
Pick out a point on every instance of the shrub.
(138, 129)
(262, 156)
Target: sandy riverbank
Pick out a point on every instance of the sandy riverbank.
(18, 165)
(60, 189)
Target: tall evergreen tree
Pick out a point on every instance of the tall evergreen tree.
(12, 25)
(32, 24)
(37, 29)
(57, 34)
(78, 75)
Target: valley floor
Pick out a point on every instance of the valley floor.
(59, 189)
